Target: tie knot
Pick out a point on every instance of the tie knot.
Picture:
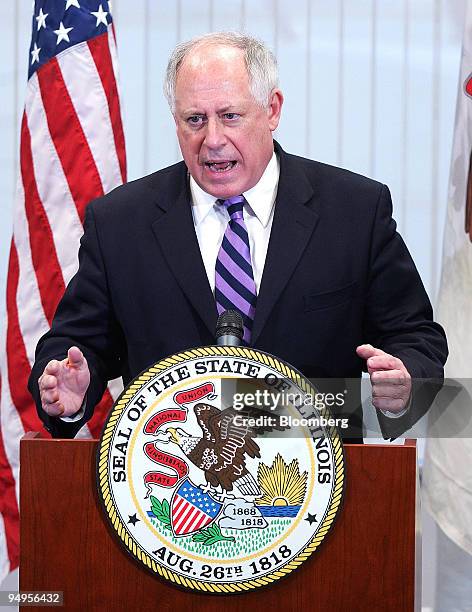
(234, 206)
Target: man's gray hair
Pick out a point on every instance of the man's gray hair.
(260, 63)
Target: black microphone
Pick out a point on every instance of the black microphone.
(229, 328)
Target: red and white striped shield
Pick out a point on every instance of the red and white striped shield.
(191, 509)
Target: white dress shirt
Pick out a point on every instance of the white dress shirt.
(211, 220)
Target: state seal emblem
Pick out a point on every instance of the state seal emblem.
(220, 469)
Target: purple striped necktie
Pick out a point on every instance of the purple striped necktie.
(234, 280)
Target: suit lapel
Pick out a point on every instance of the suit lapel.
(295, 218)
(175, 232)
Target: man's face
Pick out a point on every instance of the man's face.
(225, 136)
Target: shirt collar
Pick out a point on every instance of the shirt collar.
(260, 198)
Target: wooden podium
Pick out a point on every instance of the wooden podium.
(368, 562)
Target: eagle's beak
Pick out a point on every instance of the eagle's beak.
(173, 435)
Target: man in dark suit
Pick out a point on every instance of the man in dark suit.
(336, 287)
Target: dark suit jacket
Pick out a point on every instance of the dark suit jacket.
(336, 275)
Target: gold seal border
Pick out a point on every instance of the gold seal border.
(120, 528)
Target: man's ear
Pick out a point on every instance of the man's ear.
(275, 108)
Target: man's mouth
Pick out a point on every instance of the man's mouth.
(221, 166)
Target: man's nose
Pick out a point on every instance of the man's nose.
(215, 136)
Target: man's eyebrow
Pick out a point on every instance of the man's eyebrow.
(191, 111)
(231, 108)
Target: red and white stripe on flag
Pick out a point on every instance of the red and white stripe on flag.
(72, 150)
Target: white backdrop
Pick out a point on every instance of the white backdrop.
(369, 85)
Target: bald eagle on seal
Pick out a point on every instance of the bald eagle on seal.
(222, 450)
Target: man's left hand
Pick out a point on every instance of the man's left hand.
(391, 381)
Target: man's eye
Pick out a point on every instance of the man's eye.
(231, 116)
(195, 120)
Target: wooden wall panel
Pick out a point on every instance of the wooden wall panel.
(389, 72)
(322, 120)
(419, 133)
(163, 150)
(291, 50)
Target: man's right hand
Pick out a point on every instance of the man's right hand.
(63, 384)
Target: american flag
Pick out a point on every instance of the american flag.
(192, 509)
(71, 150)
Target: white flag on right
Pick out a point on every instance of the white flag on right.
(447, 466)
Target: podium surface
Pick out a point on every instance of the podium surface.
(367, 561)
